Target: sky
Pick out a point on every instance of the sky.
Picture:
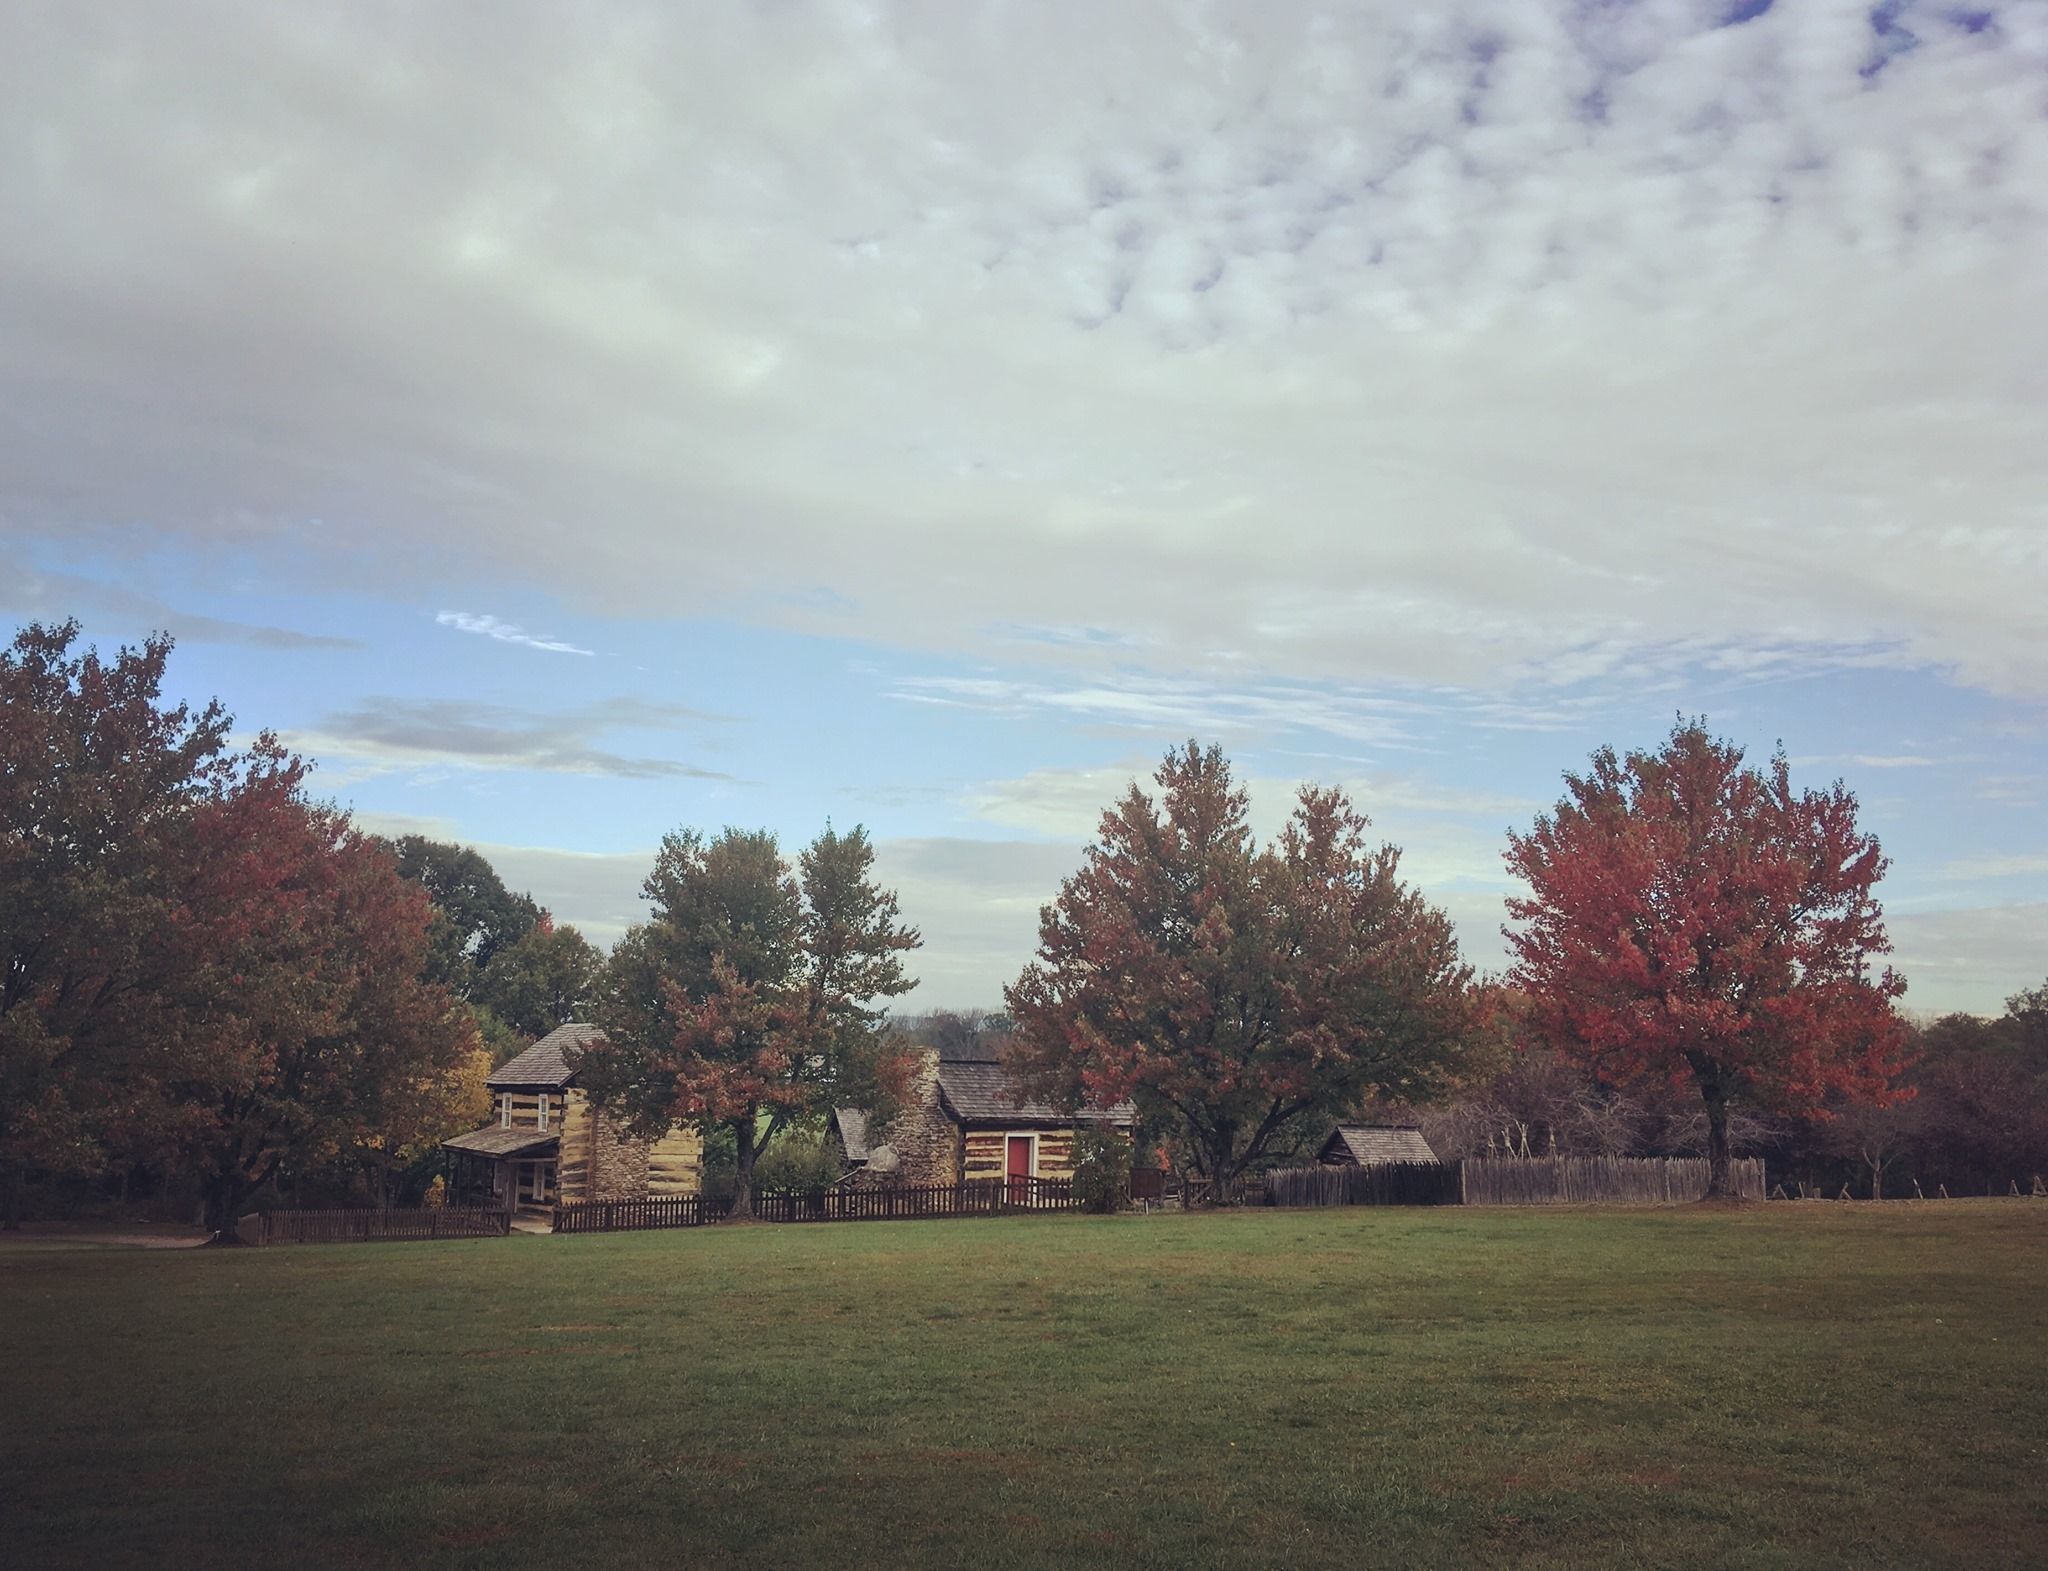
(567, 424)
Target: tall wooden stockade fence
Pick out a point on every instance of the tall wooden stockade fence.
(1599, 1180)
(369, 1224)
(975, 1197)
(1386, 1184)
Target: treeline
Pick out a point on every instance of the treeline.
(1971, 1113)
(216, 986)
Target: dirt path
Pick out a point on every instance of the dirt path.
(132, 1235)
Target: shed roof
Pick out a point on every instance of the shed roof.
(493, 1141)
(544, 1065)
(982, 1092)
(1370, 1145)
(853, 1132)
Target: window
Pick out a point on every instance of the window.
(543, 1110)
(504, 1109)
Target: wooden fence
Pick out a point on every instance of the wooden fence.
(369, 1225)
(975, 1197)
(1382, 1184)
(621, 1216)
(1599, 1180)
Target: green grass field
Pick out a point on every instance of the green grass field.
(1795, 1386)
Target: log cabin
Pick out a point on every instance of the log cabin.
(548, 1146)
(966, 1119)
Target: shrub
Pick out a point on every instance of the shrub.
(1102, 1167)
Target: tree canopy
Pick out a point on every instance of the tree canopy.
(475, 917)
(202, 969)
(1695, 919)
(748, 1000)
(1231, 990)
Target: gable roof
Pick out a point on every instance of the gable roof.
(543, 1065)
(1370, 1145)
(978, 1091)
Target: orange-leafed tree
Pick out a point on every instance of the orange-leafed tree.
(1699, 920)
(751, 999)
(1234, 991)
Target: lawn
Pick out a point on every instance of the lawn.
(1795, 1386)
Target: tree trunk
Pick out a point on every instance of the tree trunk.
(1220, 1173)
(1876, 1180)
(744, 1152)
(1719, 1184)
(223, 1200)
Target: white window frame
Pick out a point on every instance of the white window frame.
(543, 1124)
(504, 1109)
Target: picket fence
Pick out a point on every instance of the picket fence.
(1599, 1180)
(368, 1224)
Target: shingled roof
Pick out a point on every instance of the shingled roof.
(979, 1091)
(1370, 1145)
(494, 1141)
(853, 1132)
(543, 1066)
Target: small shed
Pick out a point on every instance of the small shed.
(1374, 1145)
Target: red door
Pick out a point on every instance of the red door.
(1019, 1169)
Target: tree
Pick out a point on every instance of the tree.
(747, 1001)
(307, 1029)
(475, 915)
(97, 776)
(1690, 919)
(545, 978)
(1874, 1135)
(1228, 990)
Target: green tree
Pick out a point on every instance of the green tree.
(98, 777)
(475, 915)
(1231, 990)
(748, 1001)
(546, 977)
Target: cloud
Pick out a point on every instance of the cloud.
(1150, 705)
(1490, 345)
(1866, 760)
(387, 733)
(506, 632)
(2011, 866)
(1964, 959)
(32, 593)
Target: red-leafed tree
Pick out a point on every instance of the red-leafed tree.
(302, 1030)
(748, 1001)
(1694, 919)
(1231, 991)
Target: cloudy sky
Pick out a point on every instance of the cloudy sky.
(566, 423)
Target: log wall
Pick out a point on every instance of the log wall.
(625, 1168)
(985, 1153)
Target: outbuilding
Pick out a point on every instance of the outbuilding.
(1374, 1145)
